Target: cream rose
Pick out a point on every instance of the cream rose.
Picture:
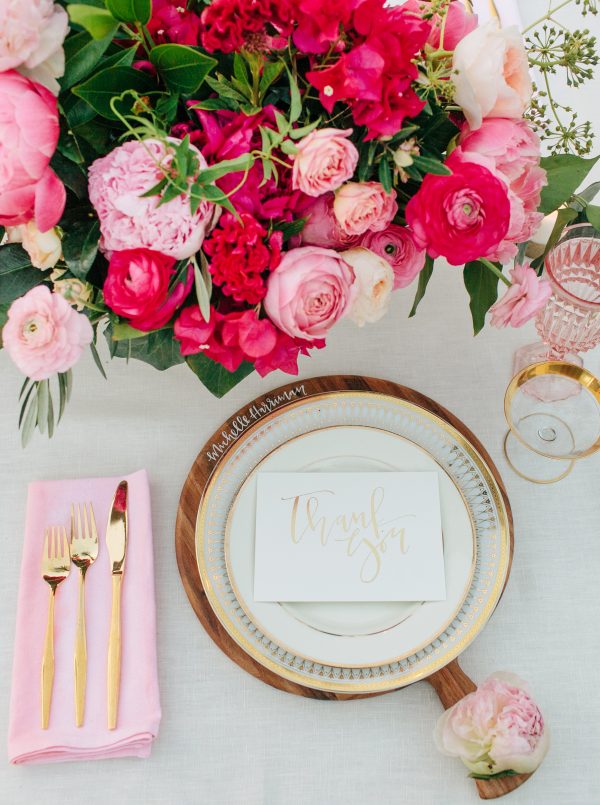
(374, 283)
(44, 248)
(492, 74)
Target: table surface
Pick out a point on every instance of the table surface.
(225, 737)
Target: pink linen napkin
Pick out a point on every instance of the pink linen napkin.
(48, 503)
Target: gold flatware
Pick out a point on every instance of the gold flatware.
(84, 550)
(116, 542)
(56, 564)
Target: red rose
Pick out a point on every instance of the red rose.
(137, 287)
(461, 217)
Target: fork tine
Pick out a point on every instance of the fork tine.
(45, 548)
(79, 528)
(86, 524)
(93, 523)
(72, 523)
(53, 544)
(66, 554)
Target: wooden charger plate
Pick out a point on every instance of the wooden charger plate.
(450, 682)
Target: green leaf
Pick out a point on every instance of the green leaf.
(203, 286)
(565, 173)
(564, 217)
(224, 90)
(29, 421)
(182, 68)
(99, 90)
(429, 165)
(3, 320)
(130, 10)
(288, 147)
(385, 175)
(240, 70)
(482, 287)
(121, 331)
(271, 72)
(97, 361)
(70, 174)
(97, 21)
(497, 776)
(290, 228)
(17, 275)
(42, 405)
(295, 99)
(80, 246)
(220, 169)
(159, 348)
(424, 277)
(50, 417)
(82, 54)
(592, 213)
(214, 376)
(297, 134)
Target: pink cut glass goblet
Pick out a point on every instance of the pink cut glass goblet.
(570, 321)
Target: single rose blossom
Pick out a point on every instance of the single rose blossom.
(496, 728)
(491, 74)
(173, 22)
(396, 244)
(374, 284)
(363, 206)
(325, 160)
(463, 216)
(31, 40)
(458, 23)
(309, 291)
(137, 287)
(44, 248)
(43, 334)
(322, 227)
(28, 136)
(117, 183)
(526, 296)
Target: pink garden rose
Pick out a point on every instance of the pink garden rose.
(322, 227)
(374, 285)
(43, 334)
(360, 206)
(462, 216)
(31, 38)
(28, 137)
(458, 22)
(526, 296)
(128, 221)
(492, 74)
(496, 728)
(309, 291)
(396, 244)
(137, 287)
(511, 150)
(325, 160)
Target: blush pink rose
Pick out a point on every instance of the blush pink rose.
(137, 287)
(526, 296)
(309, 291)
(28, 137)
(43, 334)
(496, 728)
(117, 183)
(396, 244)
(492, 74)
(322, 227)
(458, 22)
(360, 206)
(325, 160)
(510, 149)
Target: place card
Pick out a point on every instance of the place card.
(373, 536)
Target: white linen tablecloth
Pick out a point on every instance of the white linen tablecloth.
(228, 739)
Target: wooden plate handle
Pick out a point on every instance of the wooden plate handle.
(451, 684)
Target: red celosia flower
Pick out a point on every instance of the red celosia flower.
(230, 25)
(172, 22)
(240, 255)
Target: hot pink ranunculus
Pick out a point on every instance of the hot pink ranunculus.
(496, 728)
(322, 227)
(28, 137)
(491, 74)
(511, 150)
(43, 334)
(458, 22)
(117, 183)
(325, 159)
(309, 291)
(360, 206)
(526, 296)
(137, 287)
(462, 216)
(397, 245)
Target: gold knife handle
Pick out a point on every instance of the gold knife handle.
(114, 652)
(80, 655)
(48, 663)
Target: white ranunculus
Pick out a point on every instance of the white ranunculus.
(374, 283)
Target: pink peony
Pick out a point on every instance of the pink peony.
(526, 296)
(496, 728)
(374, 285)
(31, 37)
(360, 206)
(397, 245)
(462, 216)
(322, 227)
(137, 287)
(492, 74)
(309, 291)
(28, 138)
(43, 334)
(458, 23)
(128, 221)
(511, 150)
(325, 160)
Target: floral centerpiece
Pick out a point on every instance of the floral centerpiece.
(218, 184)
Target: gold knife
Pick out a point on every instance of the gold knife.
(116, 542)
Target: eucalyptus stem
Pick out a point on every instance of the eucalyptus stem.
(495, 270)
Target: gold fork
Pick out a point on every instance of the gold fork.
(56, 564)
(84, 550)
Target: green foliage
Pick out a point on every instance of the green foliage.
(482, 287)
(38, 407)
(130, 10)
(159, 348)
(97, 21)
(82, 54)
(80, 246)
(182, 68)
(17, 275)
(592, 213)
(99, 90)
(214, 376)
(565, 173)
(424, 277)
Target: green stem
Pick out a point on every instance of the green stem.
(495, 270)
(552, 105)
(547, 16)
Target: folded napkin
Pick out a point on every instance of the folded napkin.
(48, 503)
